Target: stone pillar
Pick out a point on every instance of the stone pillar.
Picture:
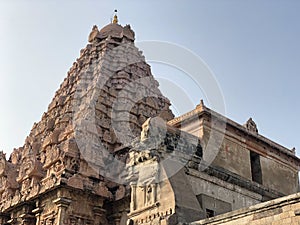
(99, 215)
(116, 218)
(117, 221)
(62, 205)
(37, 213)
(154, 193)
(133, 197)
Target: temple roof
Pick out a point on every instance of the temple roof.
(113, 30)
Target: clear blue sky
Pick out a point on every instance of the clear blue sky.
(252, 46)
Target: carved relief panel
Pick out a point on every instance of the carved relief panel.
(8, 183)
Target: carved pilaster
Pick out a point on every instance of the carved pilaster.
(62, 205)
(154, 193)
(133, 197)
(99, 215)
(37, 212)
(116, 218)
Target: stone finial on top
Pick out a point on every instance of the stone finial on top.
(251, 126)
(115, 20)
(113, 30)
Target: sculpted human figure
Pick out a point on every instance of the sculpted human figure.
(145, 129)
(148, 194)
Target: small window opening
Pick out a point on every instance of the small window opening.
(255, 167)
(209, 213)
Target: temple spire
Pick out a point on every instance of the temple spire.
(115, 20)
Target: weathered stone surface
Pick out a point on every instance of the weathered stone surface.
(108, 69)
(279, 211)
(104, 154)
(234, 151)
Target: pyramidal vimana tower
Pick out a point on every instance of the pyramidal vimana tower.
(109, 151)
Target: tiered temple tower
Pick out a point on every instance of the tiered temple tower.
(65, 173)
(109, 151)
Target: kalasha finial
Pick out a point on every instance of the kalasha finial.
(115, 20)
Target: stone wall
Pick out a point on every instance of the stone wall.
(275, 174)
(234, 156)
(79, 162)
(241, 149)
(160, 190)
(236, 196)
(282, 211)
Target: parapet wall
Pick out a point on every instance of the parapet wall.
(285, 210)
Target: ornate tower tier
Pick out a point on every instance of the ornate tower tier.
(71, 161)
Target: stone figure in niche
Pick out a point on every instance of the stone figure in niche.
(149, 195)
(145, 130)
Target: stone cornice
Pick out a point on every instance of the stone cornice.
(202, 111)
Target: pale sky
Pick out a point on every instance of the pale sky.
(252, 47)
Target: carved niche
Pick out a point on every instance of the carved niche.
(143, 196)
(30, 174)
(8, 183)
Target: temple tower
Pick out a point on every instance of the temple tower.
(69, 169)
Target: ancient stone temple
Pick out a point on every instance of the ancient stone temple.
(109, 151)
